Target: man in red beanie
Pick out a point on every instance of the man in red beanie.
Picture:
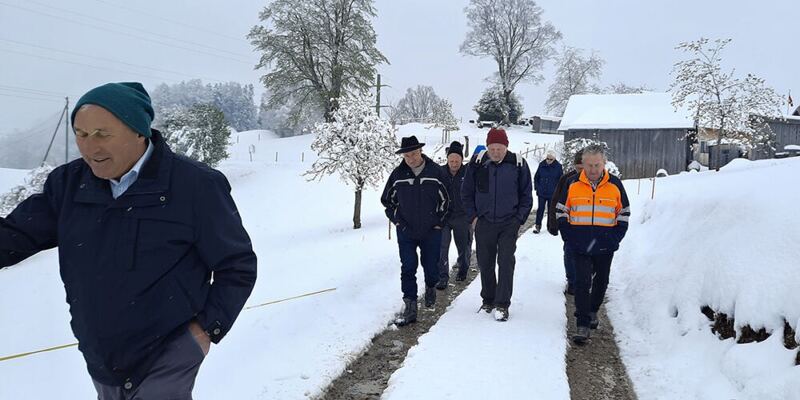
(498, 197)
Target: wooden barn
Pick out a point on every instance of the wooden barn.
(643, 131)
(787, 133)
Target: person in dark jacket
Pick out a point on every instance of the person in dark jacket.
(544, 183)
(457, 225)
(552, 221)
(139, 232)
(498, 197)
(593, 213)
(416, 202)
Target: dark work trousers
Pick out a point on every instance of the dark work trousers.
(589, 292)
(541, 209)
(171, 377)
(459, 230)
(429, 248)
(569, 266)
(496, 243)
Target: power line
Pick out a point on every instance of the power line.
(30, 98)
(134, 28)
(172, 21)
(31, 91)
(88, 65)
(108, 60)
(61, 18)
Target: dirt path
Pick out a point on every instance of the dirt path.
(368, 375)
(595, 370)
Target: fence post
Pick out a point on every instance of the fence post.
(303, 156)
(276, 156)
(639, 187)
(653, 193)
(390, 230)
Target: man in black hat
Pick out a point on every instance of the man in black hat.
(416, 202)
(457, 225)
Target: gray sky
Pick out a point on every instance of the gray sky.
(50, 49)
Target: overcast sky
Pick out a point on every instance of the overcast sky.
(50, 49)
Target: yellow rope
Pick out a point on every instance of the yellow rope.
(20, 355)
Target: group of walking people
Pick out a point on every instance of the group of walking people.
(491, 197)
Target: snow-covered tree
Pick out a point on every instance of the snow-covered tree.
(624, 88)
(575, 74)
(232, 98)
(443, 116)
(417, 105)
(494, 106)
(199, 133)
(737, 109)
(316, 51)
(573, 146)
(357, 145)
(514, 35)
(34, 183)
(236, 103)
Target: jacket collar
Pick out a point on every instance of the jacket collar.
(154, 178)
(602, 182)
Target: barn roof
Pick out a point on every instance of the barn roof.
(624, 111)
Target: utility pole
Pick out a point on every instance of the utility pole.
(378, 105)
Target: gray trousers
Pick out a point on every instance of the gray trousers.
(496, 242)
(461, 233)
(171, 377)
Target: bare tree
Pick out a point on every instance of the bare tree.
(623, 88)
(358, 146)
(417, 105)
(575, 74)
(737, 109)
(317, 51)
(514, 35)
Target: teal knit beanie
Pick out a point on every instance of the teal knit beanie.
(128, 101)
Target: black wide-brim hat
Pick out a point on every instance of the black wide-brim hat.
(409, 144)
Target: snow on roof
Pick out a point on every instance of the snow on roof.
(792, 147)
(624, 111)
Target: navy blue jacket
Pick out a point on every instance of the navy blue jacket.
(546, 178)
(497, 191)
(453, 182)
(137, 269)
(416, 203)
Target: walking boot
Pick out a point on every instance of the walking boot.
(409, 314)
(430, 297)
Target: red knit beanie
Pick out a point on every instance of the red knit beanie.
(497, 136)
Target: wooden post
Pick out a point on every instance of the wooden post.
(466, 147)
(639, 187)
(303, 157)
(276, 156)
(390, 230)
(653, 193)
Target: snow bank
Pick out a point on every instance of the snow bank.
(724, 239)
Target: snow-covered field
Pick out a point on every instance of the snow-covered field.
(725, 239)
(302, 233)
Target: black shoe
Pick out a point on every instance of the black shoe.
(537, 229)
(442, 284)
(462, 276)
(581, 335)
(570, 290)
(409, 315)
(487, 308)
(501, 314)
(430, 297)
(594, 323)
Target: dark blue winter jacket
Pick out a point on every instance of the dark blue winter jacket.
(546, 178)
(137, 269)
(497, 191)
(456, 211)
(416, 204)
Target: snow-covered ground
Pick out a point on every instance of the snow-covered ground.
(724, 239)
(302, 233)
(469, 355)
